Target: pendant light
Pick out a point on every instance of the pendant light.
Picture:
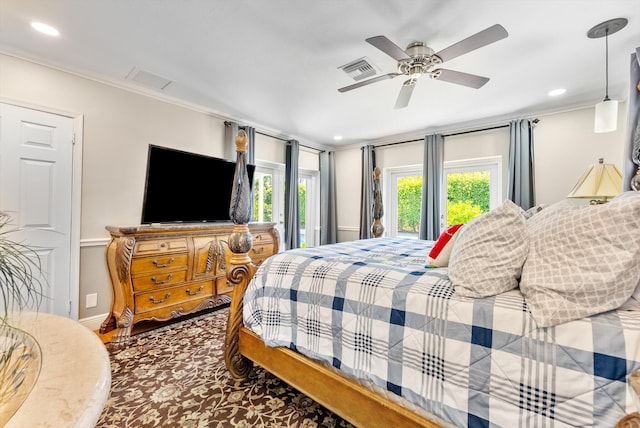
(607, 110)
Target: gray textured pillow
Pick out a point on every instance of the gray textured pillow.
(583, 260)
(487, 257)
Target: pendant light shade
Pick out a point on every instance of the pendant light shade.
(607, 110)
(606, 116)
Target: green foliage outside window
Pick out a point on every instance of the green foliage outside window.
(409, 197)
(266, 181)
(302, 211)
(467, 197)
(461, 212)
(302, 203)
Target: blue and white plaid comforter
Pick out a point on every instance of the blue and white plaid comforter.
(372, 310)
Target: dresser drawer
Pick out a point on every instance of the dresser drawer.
(159, 246)
(260, 251)
(159, 280)
(159, 263)
(262, 238)
(158, 299)
(223, 286)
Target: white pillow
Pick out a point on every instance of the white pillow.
(583, 260)
(441, 250)
(488, 255)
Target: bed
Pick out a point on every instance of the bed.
(368, 331)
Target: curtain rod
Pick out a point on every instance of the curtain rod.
(227, 123)
(454, 134)
(286, 141)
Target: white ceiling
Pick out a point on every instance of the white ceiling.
(274, 64)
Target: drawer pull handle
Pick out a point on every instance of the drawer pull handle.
(193, 293)
(163, 265)
(258, 251)
(161, 281)
(166, 297)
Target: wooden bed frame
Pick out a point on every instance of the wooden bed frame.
(343, 396)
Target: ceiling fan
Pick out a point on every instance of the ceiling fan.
(419, 59)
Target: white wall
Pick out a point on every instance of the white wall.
(564, 145)
(479, 145)
(118, 127)
(270, 149)
(348, 182)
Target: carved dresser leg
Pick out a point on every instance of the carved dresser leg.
(123, 331)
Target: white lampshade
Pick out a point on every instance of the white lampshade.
(606, 116)
(602, 180)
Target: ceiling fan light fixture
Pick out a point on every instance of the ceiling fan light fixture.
(419, 59)
(606, 117)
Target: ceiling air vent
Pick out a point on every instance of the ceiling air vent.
(148, 79)
(360, 69)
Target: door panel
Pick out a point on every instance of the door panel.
(36, 152)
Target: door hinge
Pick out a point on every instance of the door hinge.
(73, 138)
(69, 309)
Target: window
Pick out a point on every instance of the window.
(268, 200)
(268, 194)
(308, 204)
(403, 187)
(472, 186)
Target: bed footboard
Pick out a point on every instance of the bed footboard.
(239, 273)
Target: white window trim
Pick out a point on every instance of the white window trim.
(493, 164)
(312, 226)
(277, 170)
(390, 194)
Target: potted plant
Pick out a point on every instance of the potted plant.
(20, 288)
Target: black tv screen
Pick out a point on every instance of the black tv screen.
(187, 187)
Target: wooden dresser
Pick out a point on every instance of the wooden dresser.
(163, 272)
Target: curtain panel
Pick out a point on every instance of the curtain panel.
(631, 161)
(230, 132)
(229, 144)
(432, 186)
(521, 172)
(328, 211)
(366, 191)
(291, 215)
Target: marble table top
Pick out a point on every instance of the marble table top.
(75, 377)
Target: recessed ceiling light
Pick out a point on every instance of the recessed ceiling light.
(556, 92)
(337, 137)
(45, 29)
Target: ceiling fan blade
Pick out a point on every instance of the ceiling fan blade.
(405, 93)
(388, 47)
(459, 78)
(478, 40)
(368, 82)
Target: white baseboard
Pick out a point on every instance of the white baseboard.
(93, 323)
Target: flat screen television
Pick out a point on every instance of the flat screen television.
(183, 187)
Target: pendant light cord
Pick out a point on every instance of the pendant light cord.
(606, 66)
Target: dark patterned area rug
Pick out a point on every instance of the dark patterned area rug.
(175, 376)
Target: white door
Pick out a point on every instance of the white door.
(36, 154)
